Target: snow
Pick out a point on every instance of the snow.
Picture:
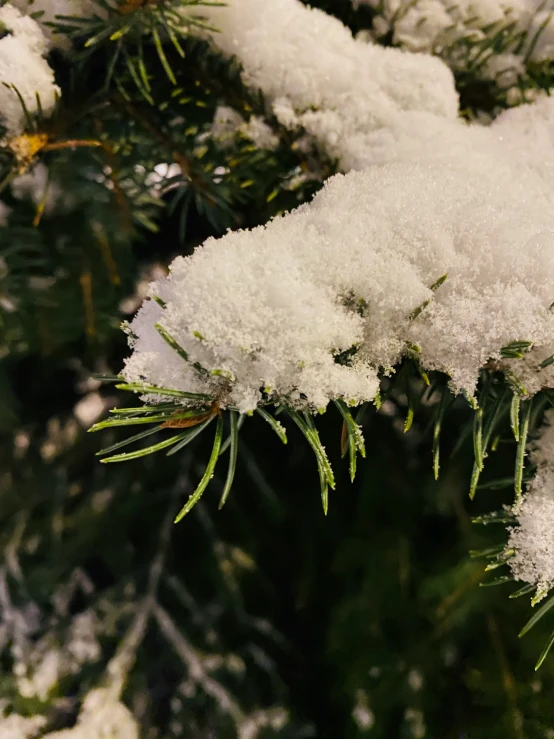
(22, 65)
(504, 70)
(4, 217)
(541, 35)
(45, 676)
(47, 11)
(102, 717)
(19, 25)
(445, 27)
(228, 124)
(38, 185)
(532, 538)
(15, 726)
(425, 24)
(315, 75)
(275, 306)
(40, 669)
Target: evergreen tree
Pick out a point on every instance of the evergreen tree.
(396, 332)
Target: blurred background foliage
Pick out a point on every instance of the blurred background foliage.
(269, 619)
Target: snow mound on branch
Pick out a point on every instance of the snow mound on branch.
(532, 539)
(313, 305)
(22, 66)
(315, 75)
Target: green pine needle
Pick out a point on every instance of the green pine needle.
(500, 484)
(501, 560)
(355, 437)
(409, 419)
(353, 428)
(545, 651)
(170, 341)
(525, 590)
(502, 516)
(161, 417)
(494, 412)
(497, 581)
(434, 287)
(516, 349)
(514, 415)
(227, 443)
(486, 553)
(107, 378)
(525, 417)
(161, 54)
(208, 473)
(146, 409)
(130, 440)
(278, 428)
(319, 448)
(445, 398)
(127, 456)
(326, 476)
(478, 439)
(137, 387)
(324, 489)
(536, 617)
(234, 437)
(192, 434)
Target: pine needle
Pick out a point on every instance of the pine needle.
(207, 476)
(234, 437)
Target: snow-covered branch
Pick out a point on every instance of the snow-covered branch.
(277, 307)
(316, 76)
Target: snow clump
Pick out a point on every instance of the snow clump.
(22, 66)
(317, 303)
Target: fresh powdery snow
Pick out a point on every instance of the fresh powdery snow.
(22, 66)
(315, 75)
(532, 539)
(277, 306)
